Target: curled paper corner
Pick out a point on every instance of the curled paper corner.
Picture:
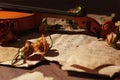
(33, 76)
(68, 67)
(110, 70)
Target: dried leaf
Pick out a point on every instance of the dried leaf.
(8, 51)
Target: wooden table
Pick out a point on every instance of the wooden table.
(50, 69)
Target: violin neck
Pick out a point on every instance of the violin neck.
(50, 12)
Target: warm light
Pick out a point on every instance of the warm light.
(13, 14)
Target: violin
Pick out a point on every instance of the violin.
(12, 22)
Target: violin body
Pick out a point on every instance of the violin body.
(12, 22)
(22, 21)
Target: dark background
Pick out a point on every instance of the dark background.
(102, 6)
(92, 6)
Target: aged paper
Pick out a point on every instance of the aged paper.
(84, 53)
